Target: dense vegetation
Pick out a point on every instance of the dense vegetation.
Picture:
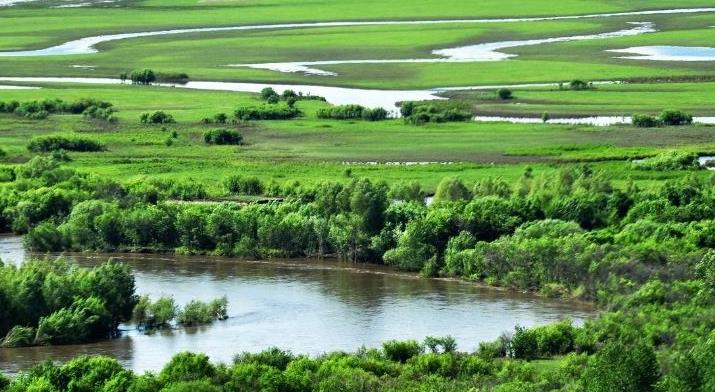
(667, 117)
(643, 253)
(352, 112)
(222, 136)
(575, 235)
(266, 112)
(38, 110)
(60, 142)
(54, 302)
(417, 114)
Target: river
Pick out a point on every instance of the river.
(306, 306)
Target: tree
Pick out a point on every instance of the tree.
(144, 77)
(504, 94)
(451, 189)
(622, 368)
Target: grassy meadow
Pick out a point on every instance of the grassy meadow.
(311, 150)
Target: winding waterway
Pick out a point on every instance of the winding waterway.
(307, 306)
(87, 45)
(463, 54)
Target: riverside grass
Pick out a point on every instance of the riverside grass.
(311, 150)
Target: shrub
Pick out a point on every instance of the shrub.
(55, 143)
(187, 190)
(352, 112)
(524, 344)
(197, 312)
(268, 92)
(18, 337)
(172, 77)
(158, 117)
(451, 189)
(222, 136)
(401, 351)
(646, 121)
(157, 314)
(505, 94)
(99, 113)
(238, 184)
(421, 114)
(671, 160)
(220, 118)
(84, 319)
(266, 112)
(446, 344)
(675, 117)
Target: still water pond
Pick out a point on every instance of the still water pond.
(306, 306)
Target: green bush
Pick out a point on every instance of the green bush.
(158, 117)
(505, 94)
(18, 337)
(198, 312)
(84, 319)
(58, 142)
(352, 112)
(675, 117)
(157, 314)
(222, 136)
(646, 121)
(422, 114)
(401, 351)
(266, 112)
(172, 77)
(671, 160)
(238, 184)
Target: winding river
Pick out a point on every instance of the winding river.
(306, 306)
(463, 54)
(87, 45)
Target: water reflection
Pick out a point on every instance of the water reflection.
(667, 53)
(306, 306)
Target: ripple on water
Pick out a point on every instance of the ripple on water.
(87, 45)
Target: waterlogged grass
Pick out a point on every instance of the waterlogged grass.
(309, 150)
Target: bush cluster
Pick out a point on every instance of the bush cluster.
(266, 112)
(222, 136)
(270, 95)
(352, 112)
(158, 117)
(670, 160)
(38, 110)
(667, 117)
(53, 302)
(418, 114)
(52, 143)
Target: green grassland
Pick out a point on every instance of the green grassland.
(206, 56)
(311, 149)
